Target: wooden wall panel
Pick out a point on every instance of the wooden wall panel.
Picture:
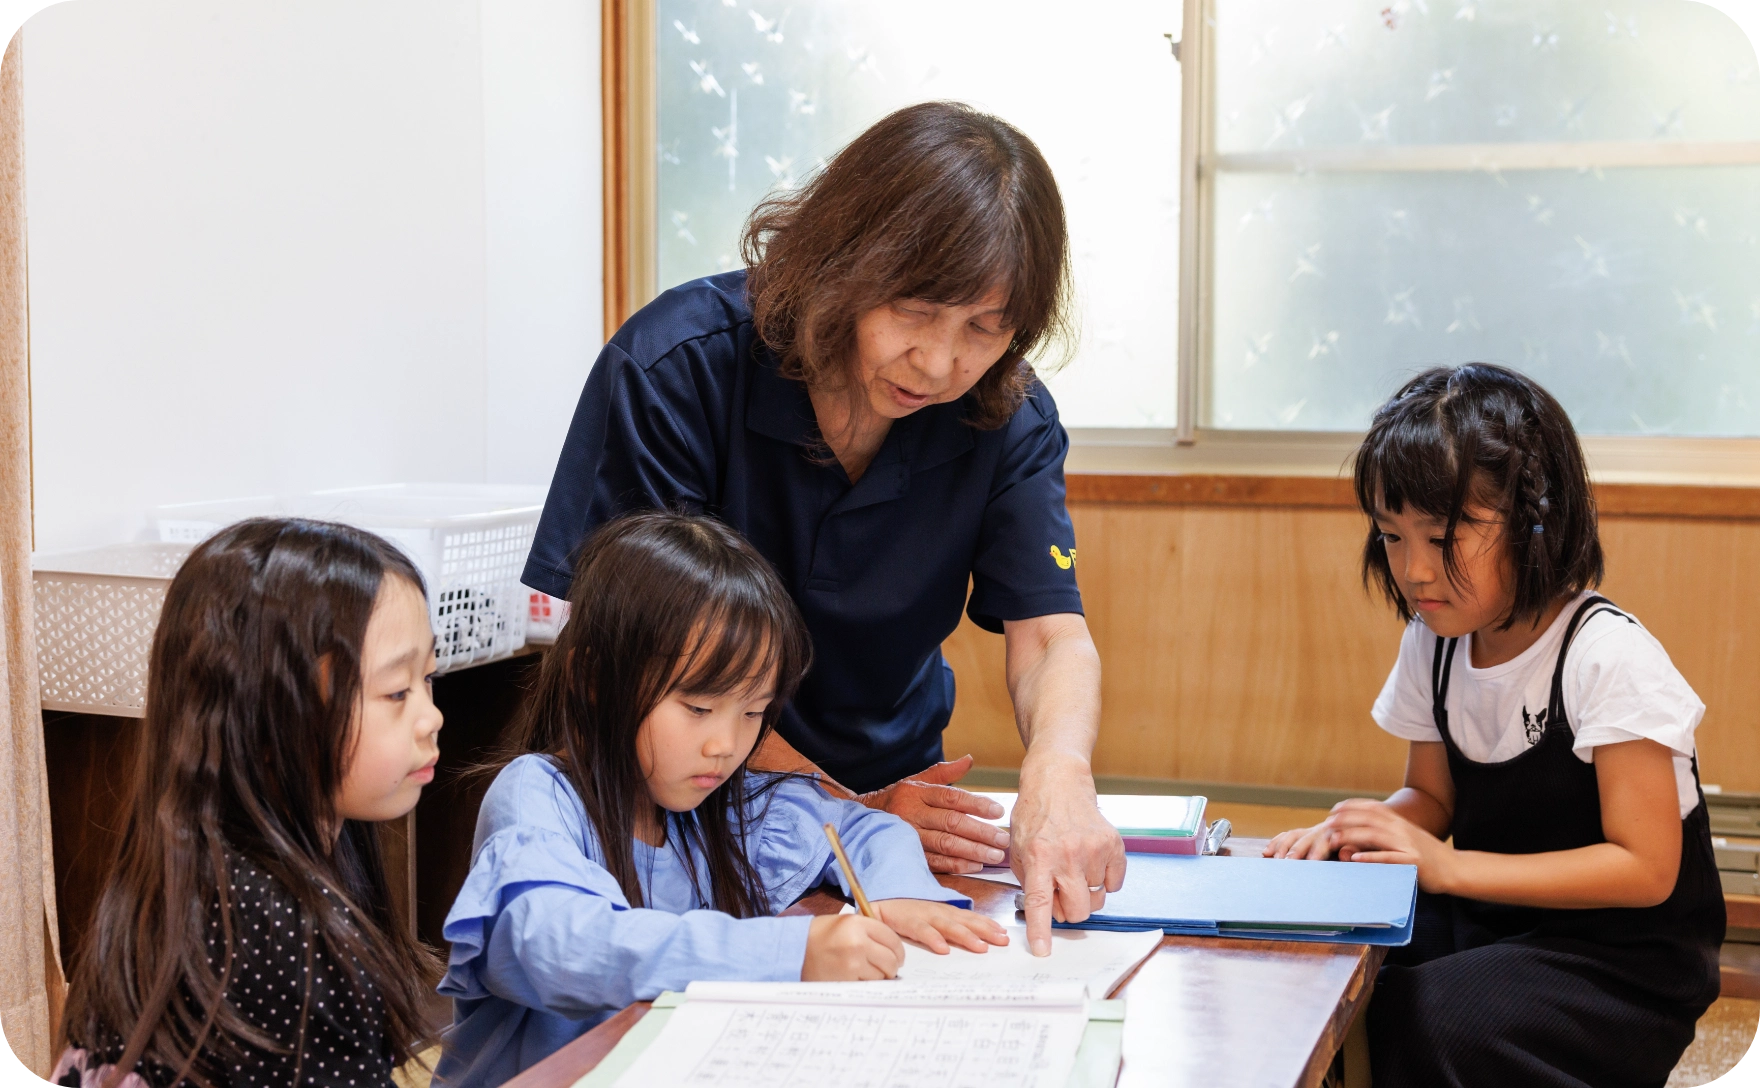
(1696, 586)
(1239, 645)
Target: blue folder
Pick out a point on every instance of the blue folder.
(1263, 899)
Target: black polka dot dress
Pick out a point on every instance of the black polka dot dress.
(343, 1042)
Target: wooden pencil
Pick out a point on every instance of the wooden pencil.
(849, 875)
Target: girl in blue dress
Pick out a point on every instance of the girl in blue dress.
(627, 850)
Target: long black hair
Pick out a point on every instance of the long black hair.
(1484, 436)
(253, 686)
(663, 602)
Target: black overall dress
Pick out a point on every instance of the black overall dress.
(1493, 996)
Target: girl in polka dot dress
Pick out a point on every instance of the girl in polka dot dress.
(245, 936)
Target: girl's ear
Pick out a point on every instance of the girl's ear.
(326, 684)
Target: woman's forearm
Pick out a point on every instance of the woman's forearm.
(1603, 875)
(1066, 855)
(776, 754)
(1054, 682)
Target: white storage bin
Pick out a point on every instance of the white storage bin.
(470, 542)
(95, 614)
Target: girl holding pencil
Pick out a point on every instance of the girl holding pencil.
(627, 850)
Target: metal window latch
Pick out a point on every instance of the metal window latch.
(1172, 43)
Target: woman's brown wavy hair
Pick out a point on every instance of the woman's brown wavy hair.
(252, 688)
(935, 201)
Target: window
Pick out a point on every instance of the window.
(1570, 188)
(753, 96)
(1370, 187)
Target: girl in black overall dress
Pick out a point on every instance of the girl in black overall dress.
(1568, 935)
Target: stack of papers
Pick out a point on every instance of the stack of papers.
(995, 1019)
(995, 1034)
(1099, 961)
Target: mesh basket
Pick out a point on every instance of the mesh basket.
(469, 541)
(95, 614)
(96, 610)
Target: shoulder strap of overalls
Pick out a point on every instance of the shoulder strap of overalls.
(1586, 611)
(1440, 668)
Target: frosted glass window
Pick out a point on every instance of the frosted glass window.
(754, 97)
(1570, 188)
(1315, 73)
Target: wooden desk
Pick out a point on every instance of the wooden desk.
(1202, 1010)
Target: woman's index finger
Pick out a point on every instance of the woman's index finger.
(1037, 889)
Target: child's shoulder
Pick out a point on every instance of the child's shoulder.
(777, 791)
(791, 805)
(531, 790)
(1614, 630)
(1614, 638)
(791, 810)
(253, 891)
(531, 768)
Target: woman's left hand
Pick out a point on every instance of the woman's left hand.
(936, 926)
(943, 814)
(1373, 831)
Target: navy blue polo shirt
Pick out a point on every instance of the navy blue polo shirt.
(686, 408)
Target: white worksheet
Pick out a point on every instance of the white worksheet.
(1001, 874)
(900, 1034)
(1097, 959)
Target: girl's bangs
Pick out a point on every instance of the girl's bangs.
(1410, 463)
(746, 650)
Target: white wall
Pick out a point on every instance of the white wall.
(542, 191)
(277, 247)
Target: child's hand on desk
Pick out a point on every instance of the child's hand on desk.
(850, 948)
(1372, 831)
(1303, 843)
(935, 926)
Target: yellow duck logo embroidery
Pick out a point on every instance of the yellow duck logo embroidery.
(1064, 562)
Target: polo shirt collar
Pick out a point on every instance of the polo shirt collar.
(935, 435)
(781, 409)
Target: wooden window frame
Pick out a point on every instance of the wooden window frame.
(629, 117)
(1714, 469)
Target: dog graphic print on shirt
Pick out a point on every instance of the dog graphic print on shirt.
(1534, 725)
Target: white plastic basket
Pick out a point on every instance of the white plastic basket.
(469, 541)
(95, 615)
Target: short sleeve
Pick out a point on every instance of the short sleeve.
(1403, 707)
(638, 440)
(1025, 564)
(1620, 685)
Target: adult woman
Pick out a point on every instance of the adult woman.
(858, 404)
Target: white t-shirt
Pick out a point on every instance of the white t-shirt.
(1619, 685)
